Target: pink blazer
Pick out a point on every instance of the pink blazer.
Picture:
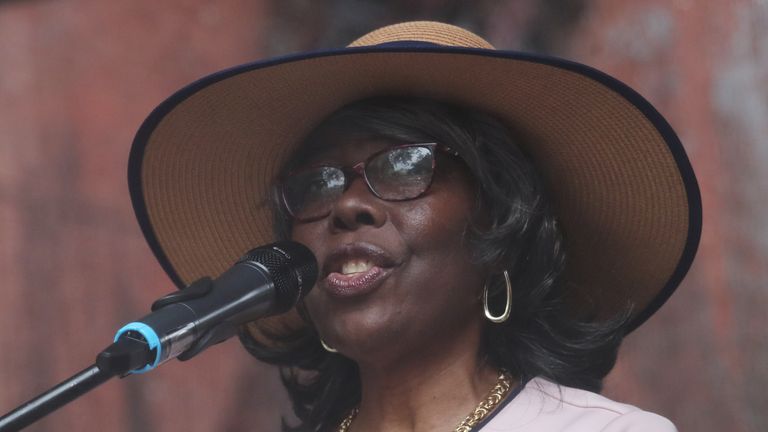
(543, 406)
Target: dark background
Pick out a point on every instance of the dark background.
(77, 77)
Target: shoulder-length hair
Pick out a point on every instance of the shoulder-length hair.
(514, 228)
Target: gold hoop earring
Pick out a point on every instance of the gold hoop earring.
(326, 347)
(507, 308)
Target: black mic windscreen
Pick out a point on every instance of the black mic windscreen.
(291, 265)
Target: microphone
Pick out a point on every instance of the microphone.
(268, 280)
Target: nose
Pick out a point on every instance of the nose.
(357, 207)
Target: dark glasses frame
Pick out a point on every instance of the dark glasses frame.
(359, 170)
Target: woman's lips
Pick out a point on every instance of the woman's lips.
(355, 284)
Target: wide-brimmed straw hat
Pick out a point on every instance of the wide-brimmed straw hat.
(202, 163)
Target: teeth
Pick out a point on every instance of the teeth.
(357, 266)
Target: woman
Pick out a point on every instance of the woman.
(489, 225)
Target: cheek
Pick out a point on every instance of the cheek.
(307, 234)
(436, 221)
(435, 234)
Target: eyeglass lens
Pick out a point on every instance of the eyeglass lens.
(400, 173)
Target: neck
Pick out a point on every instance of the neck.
(429, 389)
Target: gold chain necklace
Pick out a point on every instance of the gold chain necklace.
(497, 394)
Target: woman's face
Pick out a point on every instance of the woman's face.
(394, 275)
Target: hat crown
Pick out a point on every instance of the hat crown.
(423, 31)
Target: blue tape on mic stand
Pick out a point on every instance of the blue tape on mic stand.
(153, 341)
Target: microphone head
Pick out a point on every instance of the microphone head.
(292, 267)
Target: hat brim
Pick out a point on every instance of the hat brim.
(202, 163)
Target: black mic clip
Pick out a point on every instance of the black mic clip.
(197, 289)
(131, 351)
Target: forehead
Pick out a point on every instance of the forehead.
(342, 148)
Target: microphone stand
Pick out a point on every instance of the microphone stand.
(130, 353)
(54, 398)
(123, 356)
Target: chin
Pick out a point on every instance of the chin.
(359, 332)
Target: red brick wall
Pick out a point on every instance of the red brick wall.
(77, 77)
(76, 80)
(704, 64)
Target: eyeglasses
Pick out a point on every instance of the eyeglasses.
(397, 173)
